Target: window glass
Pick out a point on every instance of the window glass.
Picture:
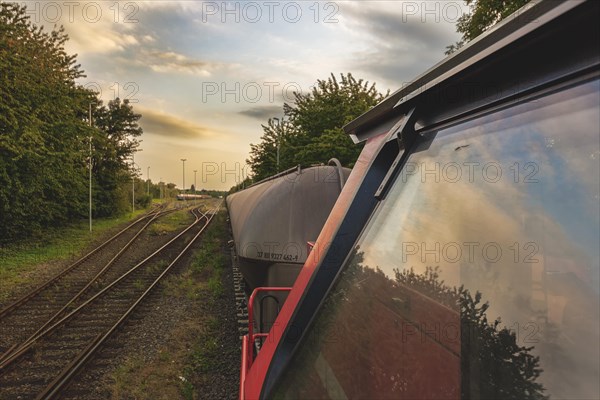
(478, 275)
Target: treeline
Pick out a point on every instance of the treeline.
(212, 192)
(45, 134)
(310, 130)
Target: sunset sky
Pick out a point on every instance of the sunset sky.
(205, 75)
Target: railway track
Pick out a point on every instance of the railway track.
(6, 310)
(41, 306)
(42, 365)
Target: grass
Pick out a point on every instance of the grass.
(208, 263)
(206, 268)
(138, 284)
(214, 285)
(170, 223)
(57, 244)
(137, 379)
(206, 349)
(158, 266)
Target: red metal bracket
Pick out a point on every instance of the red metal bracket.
(248, 340)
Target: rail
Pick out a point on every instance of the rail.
(6, 310)
(51, 390)
(6, 361)
(31, 295)
(96, 309)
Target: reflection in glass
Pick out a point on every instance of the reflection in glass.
(478, 276)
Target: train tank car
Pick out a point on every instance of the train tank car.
(274, 221)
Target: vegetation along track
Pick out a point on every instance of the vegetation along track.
(38, 308)
(44, 363)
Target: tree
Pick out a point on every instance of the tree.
(320, 115)
(114, 144)
(44, 133)
(263, 156)
(503, 368)
(482, 15)
(311, 130)
(42, 165)
(331, 104)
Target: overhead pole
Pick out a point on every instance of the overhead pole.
(133, 182)
(195, 187)
(278, 131)
(183, 160)
(90, 164)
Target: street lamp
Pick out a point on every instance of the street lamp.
(278, 131)
(133, 182)
(183, 161)
(134, 170)
(195, 187)
(90, 164)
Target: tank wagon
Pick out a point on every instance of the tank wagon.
(274, 222)
(461, 259)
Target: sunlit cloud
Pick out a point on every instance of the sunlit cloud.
(174, 62)
(167, 125)
(93, 27)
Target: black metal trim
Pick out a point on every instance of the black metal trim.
(531, 18)
(404, 132)
(528, 95)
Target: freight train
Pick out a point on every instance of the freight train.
(273, 223)
(191, 196)
(461, 258)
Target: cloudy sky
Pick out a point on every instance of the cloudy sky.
(205, 75)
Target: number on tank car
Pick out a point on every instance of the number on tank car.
(276, 256)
